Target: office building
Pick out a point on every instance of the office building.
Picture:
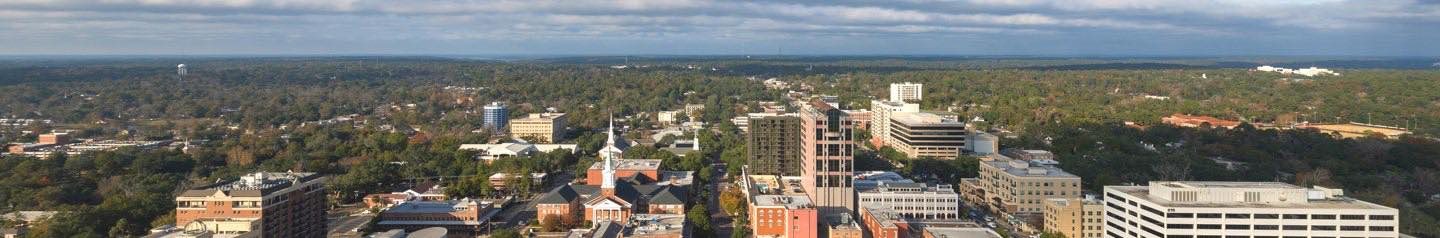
(827, 166)
(921, 134)
(905, 92)
(774, 144)
(542, 127)
(912, 200)
(880, 112)
(1189, 209)
(496, 117)
(1014, 187)
(1075, 217)
(286, 204)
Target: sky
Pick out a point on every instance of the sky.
(702, 27)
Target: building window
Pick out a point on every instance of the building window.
(1382, 217)
(1352, 217)
(1296, 216)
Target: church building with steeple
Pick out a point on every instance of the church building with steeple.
(616, 189)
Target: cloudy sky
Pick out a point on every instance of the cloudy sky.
(632, 27)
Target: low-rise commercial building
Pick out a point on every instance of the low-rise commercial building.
(1186, 120)
(1189, 209)
(461, 217)
(913, 200)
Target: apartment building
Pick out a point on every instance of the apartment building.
(288, 204)
(921, 134)
(774, 144)
(880, 112)
(778, 207)
(827, 166)
(1191, 209)
(907, 91)
(1075, 217)
(546, 127)
(1013, 186)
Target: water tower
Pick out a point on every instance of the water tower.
(180, 69)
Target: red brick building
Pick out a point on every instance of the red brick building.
(278, 204)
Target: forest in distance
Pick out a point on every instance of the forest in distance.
(268, 113)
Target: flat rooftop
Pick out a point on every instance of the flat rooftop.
(788, 201)
(1218, 184)
(1330, 203)
(1030, 170)
(629, 164)
(921, 118)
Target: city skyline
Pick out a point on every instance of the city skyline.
(698, 27)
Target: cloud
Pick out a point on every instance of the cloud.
(38, 26)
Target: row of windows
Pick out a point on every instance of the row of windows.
(1276, 216)
(1275, 227)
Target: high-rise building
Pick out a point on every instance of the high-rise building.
(904, 92)
(827, 166)
(919, 134)
(1014, 186)
(774, 144)
(880, 112)
(286, 204)
(496, 117)
(1075, 217)
(544, 127)
(1189, 209)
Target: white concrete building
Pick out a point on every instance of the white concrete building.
(912, 200)
(1242, 209)
(880, 113)
(902, 92)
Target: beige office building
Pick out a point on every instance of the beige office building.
(1075, 217)
(1242, 210)
(547, 127)
(1013, 186)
